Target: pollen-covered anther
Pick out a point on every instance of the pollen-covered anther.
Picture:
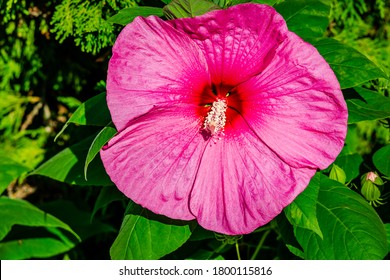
(215, 120)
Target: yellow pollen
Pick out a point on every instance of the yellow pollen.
(216, 118)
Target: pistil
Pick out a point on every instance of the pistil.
(215, 120)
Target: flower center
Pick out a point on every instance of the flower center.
(215, 120)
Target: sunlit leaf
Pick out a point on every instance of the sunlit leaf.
(20, 212)
(302, 211)
(381, 160)
(68, 166)
(44, 247)
(188, 8)
(9, 171)
(97, 144)
(127, 15)
(350, 66)
(307, 18)
(351, 228)
(86, 113)
(144, 235)
(368, 105)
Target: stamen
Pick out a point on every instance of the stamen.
(215, 121)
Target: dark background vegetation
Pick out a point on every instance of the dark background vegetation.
(53, 57)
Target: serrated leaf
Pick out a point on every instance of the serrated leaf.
(351, 228)
(68, 166)
(188, 8)
(9, 171)
(350, 66)
(20, 212)
(86, 113)
(33, 248)
(381, 160)
(302, 211)
(145, 236)
(97, 144)
(307, 18)
(367, 106)
(127, 15)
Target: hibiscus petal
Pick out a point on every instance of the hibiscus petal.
(241, 184)
(237, 42)
(296, 106)
(155, 159)
(152, 65)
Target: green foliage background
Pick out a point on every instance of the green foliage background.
(53, 58)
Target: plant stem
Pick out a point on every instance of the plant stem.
(260, 244)
(238, 251)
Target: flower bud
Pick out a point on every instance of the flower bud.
(371, 188)
(337, 174)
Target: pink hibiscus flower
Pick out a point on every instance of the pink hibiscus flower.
(223, 118)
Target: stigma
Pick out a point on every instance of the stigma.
(215, 120)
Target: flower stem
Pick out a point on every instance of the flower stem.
(260, 244)
(238, 251)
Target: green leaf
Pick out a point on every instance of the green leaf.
(188, 8)
(68, 166)
(106, 196)
(200, 233)
(381, 160)
(302, 211)
(350, 226)
(20, 212)
(350, 66)
(9, 171)
(297, 252)
(144, 235)
(97, 144)
(268, 2)
(166, 1)
(86, 113)
(387, 227)
(229, 3)
(367, 105)
(350, 163)
(221, 3)
(33, 248)
(127, 15)
(307, 18)
(78, 219)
